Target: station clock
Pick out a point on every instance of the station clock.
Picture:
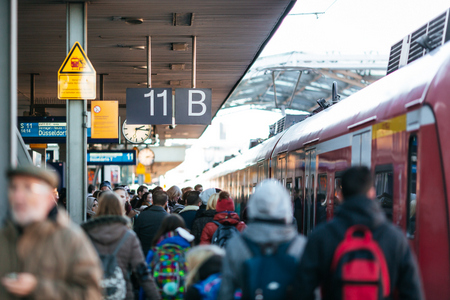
(136, 133)
(146, 157)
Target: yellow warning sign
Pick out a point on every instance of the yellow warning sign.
(77, 76)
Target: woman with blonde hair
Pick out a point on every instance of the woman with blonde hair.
(174, 194)
(204, 266)
(205, 216)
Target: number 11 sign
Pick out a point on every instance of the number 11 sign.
(149, 106)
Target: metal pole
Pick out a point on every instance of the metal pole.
(149, 62)
(102, 87)
(194, 61)
(76, 160)
(295, 88)
(8, 95)
(32, 92)
(274, 89)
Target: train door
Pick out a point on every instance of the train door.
(309, 206)
(362, 148)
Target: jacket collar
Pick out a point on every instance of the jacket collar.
(190, 208)
(102, 220)
(361, 210)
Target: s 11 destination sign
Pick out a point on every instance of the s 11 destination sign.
(111, 157)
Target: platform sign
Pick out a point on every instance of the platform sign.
(105, 119)
(149, 106)
(76, 76)
(193, 106)
(119, 157)
(35, 130)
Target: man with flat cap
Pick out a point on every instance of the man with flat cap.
(43, 255)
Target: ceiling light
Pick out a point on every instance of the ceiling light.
(177, 67)
(133, 21)
(186, 19)
(140, 67)
(179, 46)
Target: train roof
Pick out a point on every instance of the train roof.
(388, 97)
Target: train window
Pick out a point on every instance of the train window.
(337, 188)
(384, 185)
(412, 187)
(321, 203)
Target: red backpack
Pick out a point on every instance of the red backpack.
(359, 266)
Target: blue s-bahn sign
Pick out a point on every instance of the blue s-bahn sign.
(119, 157)
(49, 130)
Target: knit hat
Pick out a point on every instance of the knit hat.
(225, 203)
(270, 202)
(106, 183)
(206, 194)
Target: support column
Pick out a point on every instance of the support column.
(8, 95)
(76, 151)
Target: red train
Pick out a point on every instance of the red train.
(400, 127)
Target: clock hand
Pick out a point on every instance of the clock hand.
(139, 128)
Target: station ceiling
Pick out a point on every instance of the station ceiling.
(230, 35)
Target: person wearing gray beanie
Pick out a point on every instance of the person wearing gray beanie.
(270, 223)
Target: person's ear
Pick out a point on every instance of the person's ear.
(372, 193)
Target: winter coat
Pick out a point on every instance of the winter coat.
(314, 268)
(237, 252)
(211, 266)
(188, 214)
(58, 253)
(176, 240)
(106, 232)
(200, 222)
(147, 224)
(225, 218)
(177, 208)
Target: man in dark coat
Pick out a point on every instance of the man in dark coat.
(193, 202)
(358, 208)
(149, 220)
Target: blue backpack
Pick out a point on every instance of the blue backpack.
(209, 288)
(269, 274)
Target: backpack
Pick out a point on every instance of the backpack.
(113, 283)
(359, 266)
(269, 274)
(169, 270)
(209, 288)
(223, 234)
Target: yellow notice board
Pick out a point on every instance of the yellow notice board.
(140, 169)
(77, 76)
(105, 119)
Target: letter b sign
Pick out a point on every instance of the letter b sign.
(193, 106)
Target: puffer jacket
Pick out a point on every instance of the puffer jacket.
(58, 253)
(225, 218)
(200, 222)
(106, 232)
(237, 252)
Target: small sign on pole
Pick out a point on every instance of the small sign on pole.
(104, 120)
(77, 76)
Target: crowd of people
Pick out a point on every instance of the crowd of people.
(190, 243)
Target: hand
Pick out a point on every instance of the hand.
(24, 285)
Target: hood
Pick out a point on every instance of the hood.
(208, 213)
(263, 233)
(177, 240)
(227, 217)
(106, 230)
(212, 265)
(361, 210)
(190, 208)
(270, 202)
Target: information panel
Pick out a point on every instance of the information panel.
(123, 157)
(49, 130)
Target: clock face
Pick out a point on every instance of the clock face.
(146, 156)
(136, 133)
